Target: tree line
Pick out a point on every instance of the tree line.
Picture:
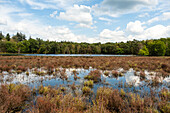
(19, 44)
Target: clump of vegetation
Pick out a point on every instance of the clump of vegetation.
(43, 90)
(19, 71)
(116, 73)
(22, 68)
(122, 93)
(27, 73)
(13, 97)
(156, 81)
(94, 75)
(165, 67)
(88, 83)
(39, 73)
(63, 89)
(86, 90)
(75, 75)
(142, 75)
(140, 63)
(106, 73)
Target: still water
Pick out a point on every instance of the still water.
(129, 81)
(86, 55)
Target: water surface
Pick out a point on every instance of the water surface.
(86, 55)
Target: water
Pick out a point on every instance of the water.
(129, 82)
(86, 55)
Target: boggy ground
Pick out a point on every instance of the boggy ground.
(47, 99)
(22, 63)
(20, 98)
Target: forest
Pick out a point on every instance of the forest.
(18, 43)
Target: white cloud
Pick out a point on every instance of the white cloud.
(135, 27)
(165, 16)
(155, 32)
(3, 21)
(116, 7)
(25, 14)
(37, 29)
(50, 4)
(34, 27)
(53, 14)
(105, 19)
(5, 10)
(143, 15)
(137, 30)
(112, 36)
(16, 19)
(80, 14)
(38, 5)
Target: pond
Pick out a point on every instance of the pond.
(130, 80)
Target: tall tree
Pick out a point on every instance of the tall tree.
(1, 36)
(157, 48)
(8, 37)
(144, 51)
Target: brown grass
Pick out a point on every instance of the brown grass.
(110, 63)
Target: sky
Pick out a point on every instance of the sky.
(89, 21)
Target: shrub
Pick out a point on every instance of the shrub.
(13, 97)
(89, 83)
(94, 75)
(86, 90)
(106, 73)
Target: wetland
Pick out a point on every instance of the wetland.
(84, 84)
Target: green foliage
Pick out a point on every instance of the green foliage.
(167, 42)
(88, 83)
(11, 47)
(144, 51)
(1, 36)
(19, 44)
(8, 37)
(157, 48)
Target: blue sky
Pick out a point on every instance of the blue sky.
(86, 20)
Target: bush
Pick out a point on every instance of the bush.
(89, 83)
(13, 97)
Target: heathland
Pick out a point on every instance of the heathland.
(50, 84)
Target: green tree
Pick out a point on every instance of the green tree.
(1, 36)
(10, 47)
(33, 47)
(157, 48)
(19, 46)
(168, 47)
(144, 51)
(21, 37)
(25, 48)
(8, 37)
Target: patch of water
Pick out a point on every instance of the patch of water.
(129, 82)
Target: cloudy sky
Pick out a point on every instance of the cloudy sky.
(86, 20)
